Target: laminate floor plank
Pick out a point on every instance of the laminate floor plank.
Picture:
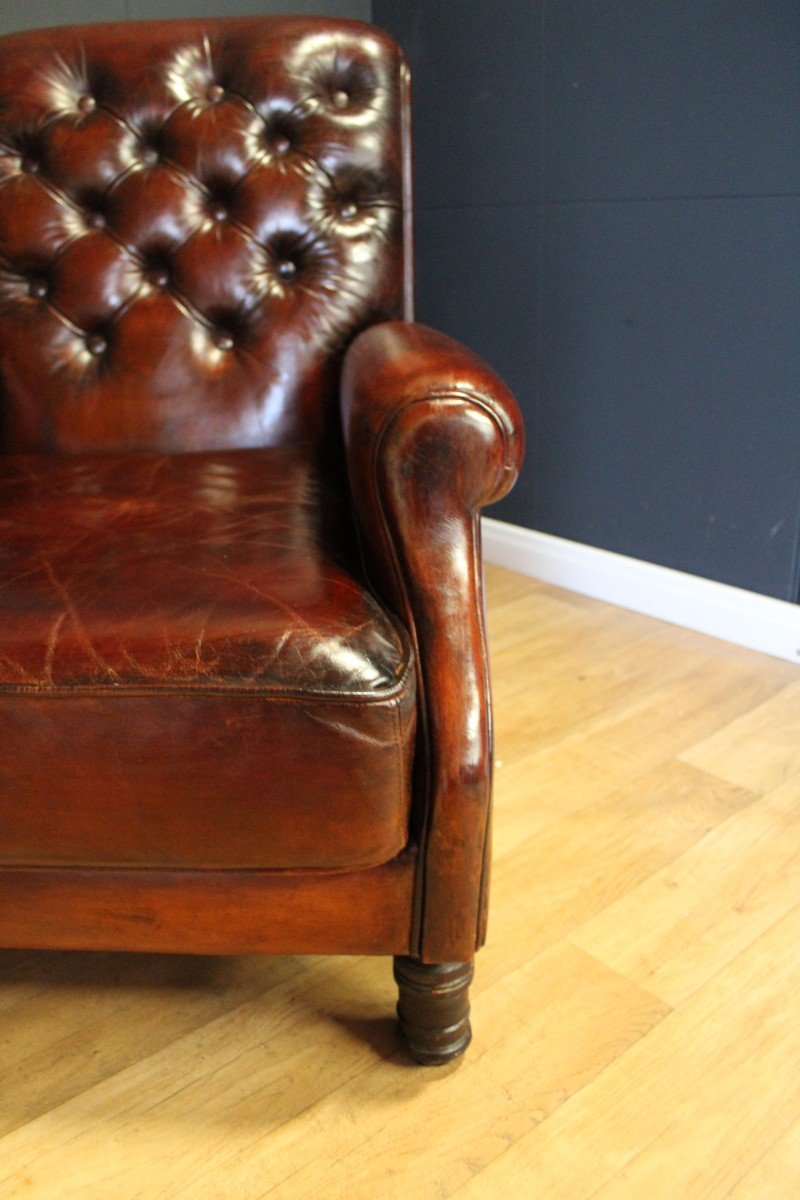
(688, 1109)
(573, 868)
(775, 1175)
(760, 749)
(687, 921)
(562, 1010)
(231, 1081)
(122, 1006)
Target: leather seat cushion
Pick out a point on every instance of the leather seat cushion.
(191, 673)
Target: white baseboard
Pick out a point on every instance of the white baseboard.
(730, 613)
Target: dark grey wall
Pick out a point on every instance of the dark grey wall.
(608, 210)
(69, 12)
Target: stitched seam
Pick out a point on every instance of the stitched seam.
(345, 699)
(398, 722)
(408, 851)
(442, 398)
(477, 568)
(422, 704)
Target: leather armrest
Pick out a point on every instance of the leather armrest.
(393, 367)
(432, 435)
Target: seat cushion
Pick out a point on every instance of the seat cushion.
(191, 673)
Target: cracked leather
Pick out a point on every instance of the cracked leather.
(229, 570)
(190, 672)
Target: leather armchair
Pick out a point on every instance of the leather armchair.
(244, 698)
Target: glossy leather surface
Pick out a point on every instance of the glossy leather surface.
(190, 673)
(234, 569)
(432, 435)
(203, 244)
(195, 219)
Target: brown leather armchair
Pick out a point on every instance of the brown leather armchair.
(244, 702)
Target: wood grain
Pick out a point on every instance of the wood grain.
(759, 750)
(210, 912)
(688, 920)
(776, 1174)
(689, 1108)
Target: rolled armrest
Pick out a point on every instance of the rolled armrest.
(432, 435)
(395, 366)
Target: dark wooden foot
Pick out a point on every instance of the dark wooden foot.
(434, 1008)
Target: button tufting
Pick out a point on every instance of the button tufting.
(137, 212)
(157, 277)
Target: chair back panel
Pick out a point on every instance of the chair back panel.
(196, 217)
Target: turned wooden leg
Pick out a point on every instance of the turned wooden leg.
(434, 1008)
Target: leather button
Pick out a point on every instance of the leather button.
(150, 156)
(223, 341)
(214, 93)
(157, 277)
(38, 289)
(29, 165)
(95, 220)
(281, 145)
(218, 211)
(96, 344)
(86, 104)
(340, 99)
(287, 269)
(348, 210)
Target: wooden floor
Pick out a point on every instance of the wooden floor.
(636, 1012)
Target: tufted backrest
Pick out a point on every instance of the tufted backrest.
(196, 217)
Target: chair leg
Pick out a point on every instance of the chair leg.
(433, 1008)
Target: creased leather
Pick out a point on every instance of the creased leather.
(190, 672)
(228, 570)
